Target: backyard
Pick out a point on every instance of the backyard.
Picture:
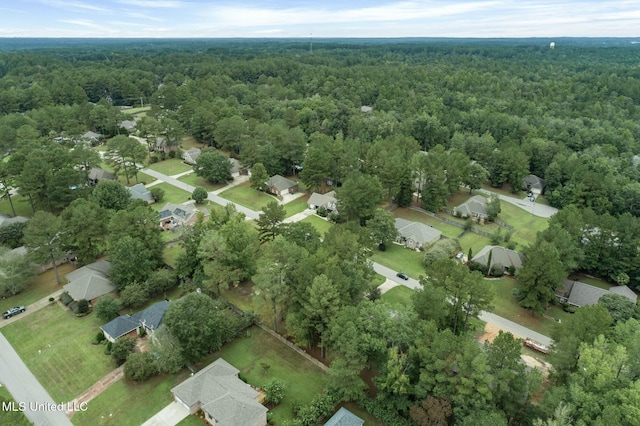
(170, 167)
(41, 287)
(447, 229)
(321, 225)
(473, 241)
(399, 295)
(195, 180)
(172, 194)
(20, 204)
(248, 197)
(171, 252)
(296, 206)
(56, 346)
(401, 259)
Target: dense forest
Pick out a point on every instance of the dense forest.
(361, 114)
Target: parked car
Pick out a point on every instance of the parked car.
(402, 275)
(13, 311)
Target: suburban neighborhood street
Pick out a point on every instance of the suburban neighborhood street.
(532, 207)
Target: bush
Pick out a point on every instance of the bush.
(172, 154)
(107, 308)
(199, 195)
(570, 309)
(73, 307)
(51, 299)
(468, 224)
(154, 159)
(157, 194)
(275, 391)
(386, 415)
(497, 270)
(321, 211)
(517, 293)
(83, 306)
(511, 245)
(99, 338)
(140, 366)
(496, 237)
(65, 299)
(477, 266)
(108, 347)
(122, 348)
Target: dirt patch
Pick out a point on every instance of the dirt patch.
(490, 332)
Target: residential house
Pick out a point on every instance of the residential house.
(128, 125)
(163, 144)
(237, 169)
(6, 220)
(140, 192)
(577, 293)
(344, 417)
(416, 235)
(191, 155)
(90, 281)
(327, 201)
(96, 174)
(148, 319)
(534, 184)
(366, 109)
(222, 396)
(92, 138)
(175, 215)
(504, 257)
(475, 206)
(279, 185)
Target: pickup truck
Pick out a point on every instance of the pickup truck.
(13, 311)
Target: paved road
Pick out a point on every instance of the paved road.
(534, 208)
(251, 214)
(24, 387)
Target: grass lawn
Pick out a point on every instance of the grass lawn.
(171, 195)
(399, 295)
(20, 204)
(12, 418)
(321, 225)
(144, 178)
(505, 190)
(248, 197)
(596, 282)
(195, 180)
(170, 167)
(138, 110)
(447, 230)
(302, 378)
(296, 206)
(378, 280)
(43, 285)
(171, 253)
(189, 142)
(190, 421)
(241, 296)
(56, 346)
(474, 241)
(129, 403)
(526, 225)
(401, 259)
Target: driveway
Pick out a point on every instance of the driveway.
(40, 408)
(532, 207)
(32, 308)
(170, 415)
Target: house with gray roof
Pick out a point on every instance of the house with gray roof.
(6, 220)
(96, 174)
(279, 185)
(475, 206)
(128, 125)
(90, 281)
(148, 319)
(191, 155)
(534, 184)
(175, 215)
(222, 396)
(328, 201)
(577, 293)
(344, 417)
(237, 169)
(140, 192)
(415, 235)
(502, 256)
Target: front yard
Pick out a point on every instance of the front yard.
(43, 286)
(248, 197)
(172, 194)
(296, 206)
(170, 167)
(399, 295)
(401, 259)
(321, 225)
(56, 346)
(195, 180)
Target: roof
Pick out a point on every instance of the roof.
(281, 183)
(344, 417)
(220, 392)
(625, 291)
(418, 232)
(139, 191)
(6, 220)
(180, 212)
(96, 173)
(192, 154)
(128, 124)
(533, 182)
(328, 200)
(236, 166)
(91, 135)
(366, 109)
(581, 294)
(89, 287)
(120, 326)
(101, 266)
(151, 317)
(500, 255)
(474, 206)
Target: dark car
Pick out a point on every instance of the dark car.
(13, 311)
(402, 275)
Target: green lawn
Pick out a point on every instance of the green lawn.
(303, 379)
(474, 241)
(171, 253)
(526, 225)
(20, 204)
(248, 197)
(296, 206)
(241, 296)
(129, 403)
(415, 216)
(170, 167)
(43, 285)
(195, 180)
(138, 110)
(56, 346)
(11, 418)
(596, 282)
(144, 178)
(399, 295)
(401, 259)
(172, 194)
(321, 225)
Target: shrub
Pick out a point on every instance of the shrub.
(517, 293)
(140, 366)
(108, 347)
(154, 159)
(199, 195)
(476, 266)
(570, 309)
(511, 245)
(65, 299)
(172, 154)
(99, 338)
(122, 348)
(51, 299)
(468, 224)
(73, 307)
(83, 306)
(497, 270)
(507, 236)
(157, 194)
(496, 238)
(321, 211)
(275, 391)
(107, 308)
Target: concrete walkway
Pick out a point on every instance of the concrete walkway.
(238, 180)
(170, 415)
(300, 216)
(97, 388)
(29, 309)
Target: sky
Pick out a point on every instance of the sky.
(319, 19)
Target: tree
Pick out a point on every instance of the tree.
(302, 234)
(476, 176)
(125, 154)
(359, 197)
(43, 238)
(259, 177)
(344, 381)
(213, 166)
(431, 412)
(382, 227)
(141, 223)
(11, 235)
(122, 348)
(16, 271)
(269, 221)
(274, 391)
(160, 281)
(134, 295)
(140, 366)
(131, 262)
(107, 308)
(85, 229)
(199, 195)
(167, 350)
(493, 207)
(157, 194)
(111, 195)
(619, 307)
(228, 133)
(540, 275)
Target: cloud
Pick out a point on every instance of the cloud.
(82, 23)
(138, 15)
(74, 5)
(171, 4)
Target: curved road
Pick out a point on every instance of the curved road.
(532, 207)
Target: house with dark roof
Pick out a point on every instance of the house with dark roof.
(278, 185)
(344, 417)
(577, 293)
(534, 184)
(140, 192)
(501, 256)
(148, 319)
(191, 155)
(222, 396)
(175, 215)
(96, 174)
(6, 220)
(90, 281)
(415, 235)
(327, 201)
(163, 144)
(475, 206)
